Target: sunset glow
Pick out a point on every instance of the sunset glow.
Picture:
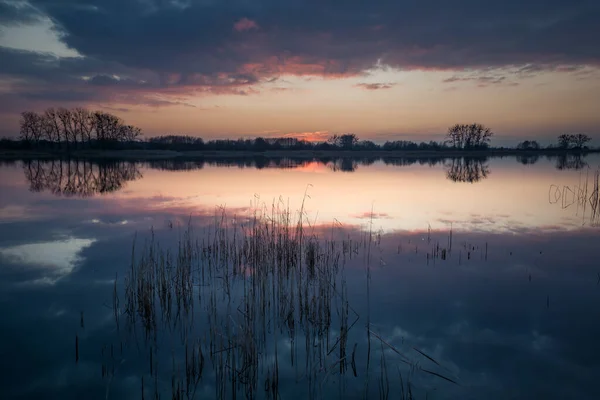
(387, 71)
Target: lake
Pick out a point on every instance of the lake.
(300, 278)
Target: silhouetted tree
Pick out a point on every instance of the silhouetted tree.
(529, 145)
(75, 126)
(31, 128)
(564, 141)
(473, 136)
(579, 140)
(346, 141)
(367, 145)
(51, 126)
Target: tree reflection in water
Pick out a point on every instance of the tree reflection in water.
(467, 169)
(528, 159)
(570, 161)
(82, 178)
(85, 177)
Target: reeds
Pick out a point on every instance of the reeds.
(230, 295)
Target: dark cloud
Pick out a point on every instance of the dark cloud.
(152, 46)
(17, 12)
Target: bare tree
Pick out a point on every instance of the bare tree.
(68, 125)
(73, 126)
(129, 133)
(52, 126)
(580, 140)
(31, 127)
(564, 141)
(465, 136)
(528, 145)
(84, 123)
(346, 141)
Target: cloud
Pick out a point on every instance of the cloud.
(316, 136)
(117, 109)
(371, 215)
(485, 79)
(59, 257)
(245, 24)
(375, 86)
(193, 48)
(18, 12)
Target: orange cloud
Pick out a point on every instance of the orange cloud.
(245, 24)
(317, 136)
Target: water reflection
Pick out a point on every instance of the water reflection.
(86, 177)
(583, 198)
(528, 159)
(570, 161)
(502, 289)
(467, 169)
(79, 177)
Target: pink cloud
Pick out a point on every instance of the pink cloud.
(371, 215)
(245, 24)
(375, 86)
(317, 136)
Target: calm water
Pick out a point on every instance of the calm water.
(510, 310)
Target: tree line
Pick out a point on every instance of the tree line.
(79, 128)
(74, 128)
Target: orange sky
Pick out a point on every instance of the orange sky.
(418, 103)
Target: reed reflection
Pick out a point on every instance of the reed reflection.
(583, 198)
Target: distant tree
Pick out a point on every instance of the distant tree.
(367, 145)
(579, 141)
(129, 133)
(346, 141)
(259, 144)
(465, 136)
(564, 141)
(529, 145)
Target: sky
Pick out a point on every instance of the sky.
(384, 69)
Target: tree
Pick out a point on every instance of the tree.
(51, 126)
(528, 145)
(367, 145)
(465, 136)
(68, 123)
(564, 141)
(31, 127)
(129, 133)
(580, 140)
(84, 123)
(346, 141)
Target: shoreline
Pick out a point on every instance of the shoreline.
(142, 155)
